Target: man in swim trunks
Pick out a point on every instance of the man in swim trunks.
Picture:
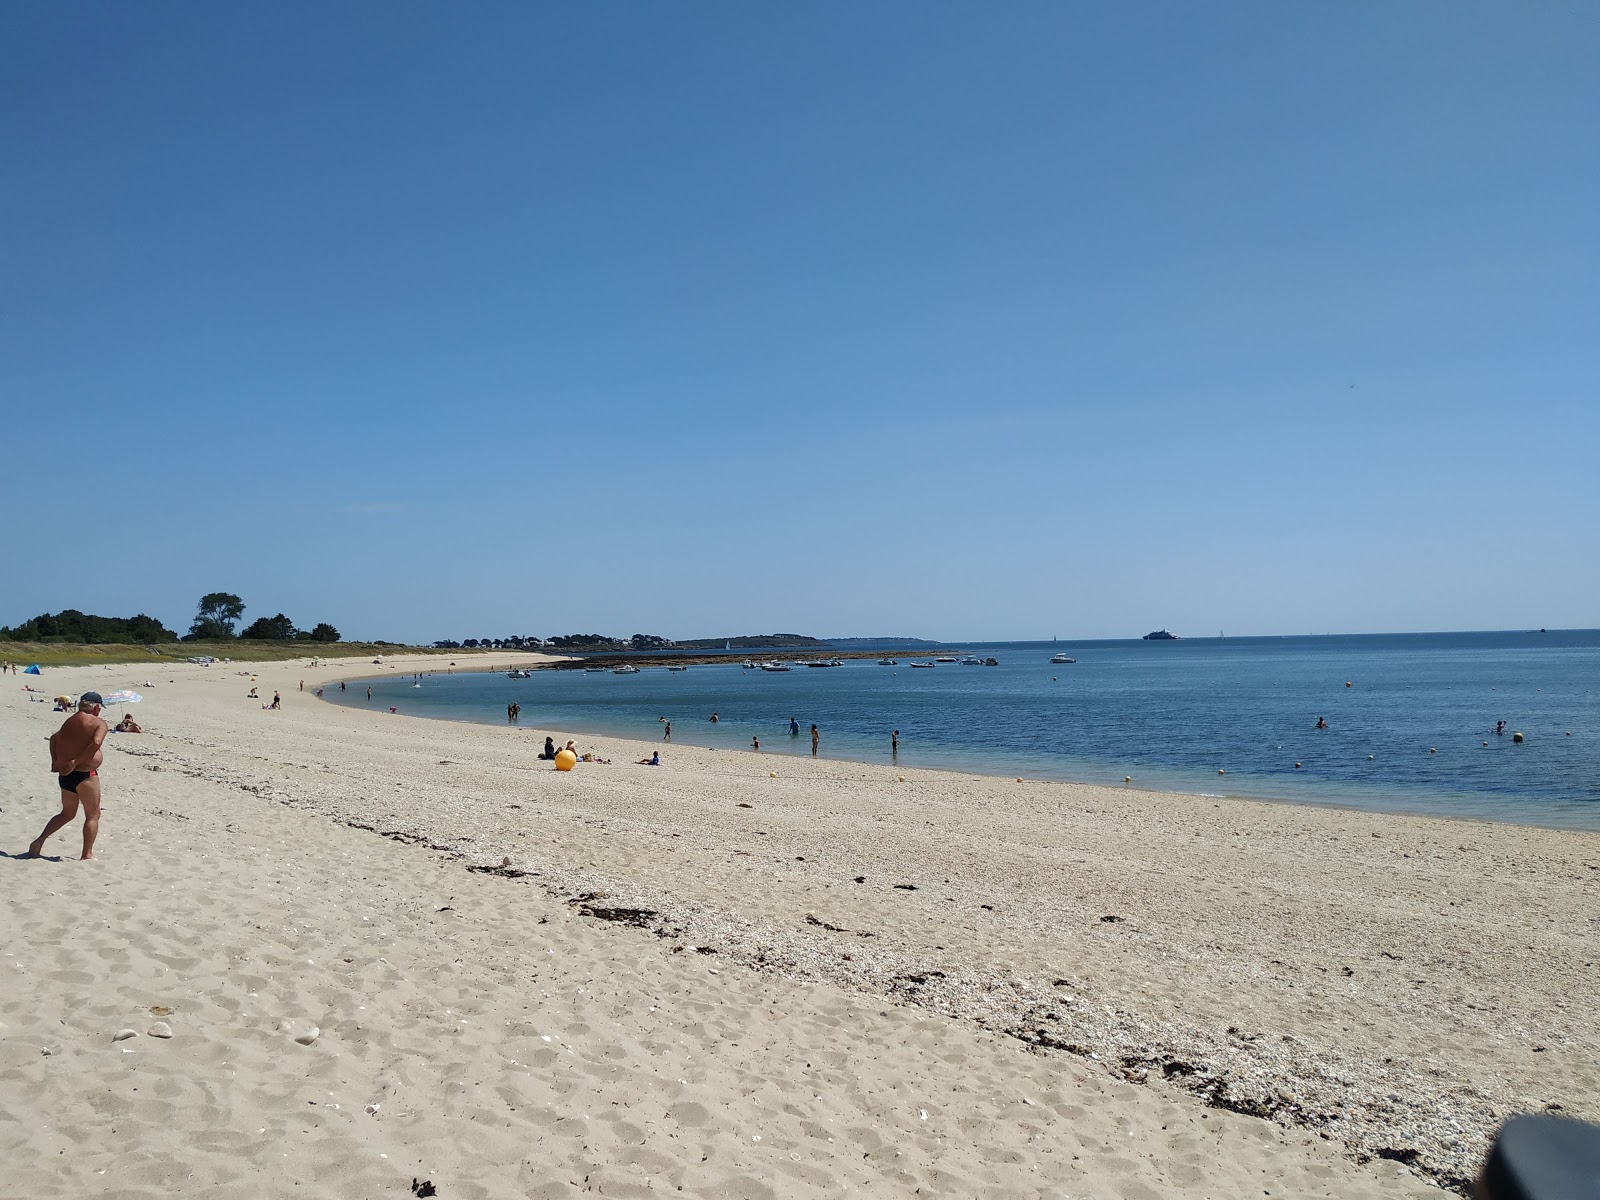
(75, 757)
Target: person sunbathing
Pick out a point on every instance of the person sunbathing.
(128, 724)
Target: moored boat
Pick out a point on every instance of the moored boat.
(1061, 658)
(925, 665)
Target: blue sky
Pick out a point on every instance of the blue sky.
(951, 321)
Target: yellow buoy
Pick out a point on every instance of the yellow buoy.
(1220, 771)
(565, 760)
(1127, 779)
(1516, 737)
(1297, 766)
(1433, 749)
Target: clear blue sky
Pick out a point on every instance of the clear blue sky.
(977, 321)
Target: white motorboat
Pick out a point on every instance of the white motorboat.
(1061, 658)
(774, 666)
(928, 666)
(972, 660)
(628, 669)
(888, 662)
(946, 658)
(677, 668)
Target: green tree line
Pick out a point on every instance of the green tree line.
(214, 621)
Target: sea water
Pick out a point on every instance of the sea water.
(1407, 715)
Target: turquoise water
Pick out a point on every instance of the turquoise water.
(1170, 714)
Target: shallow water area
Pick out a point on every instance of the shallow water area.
(1406, 735)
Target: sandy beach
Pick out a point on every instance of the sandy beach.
(732, 975)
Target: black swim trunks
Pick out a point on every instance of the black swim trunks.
(69, 783)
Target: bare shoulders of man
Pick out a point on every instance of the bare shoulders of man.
(76, 745)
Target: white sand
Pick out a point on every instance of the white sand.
(801, 1056)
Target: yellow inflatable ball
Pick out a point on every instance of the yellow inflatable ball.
(565, 760)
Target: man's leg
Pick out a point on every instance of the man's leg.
(69, 809)
(89, 795)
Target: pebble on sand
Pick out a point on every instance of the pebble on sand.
(307, 1035)
(123, 1035)
(160, 1030)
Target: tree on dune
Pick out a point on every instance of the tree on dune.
(270, 629)
(216, 617)
(323, 632)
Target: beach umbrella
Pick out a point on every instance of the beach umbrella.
(122, 698)
(33, 670)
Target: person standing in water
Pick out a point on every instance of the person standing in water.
(75, 757)
(894, 744)
(815, 738)
(755, 743)
(666, 734)
(794, 727)
(369, 693)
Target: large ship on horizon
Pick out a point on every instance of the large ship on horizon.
(1161, 635)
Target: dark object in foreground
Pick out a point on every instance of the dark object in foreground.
(1542, 1158)
(425, 1188)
